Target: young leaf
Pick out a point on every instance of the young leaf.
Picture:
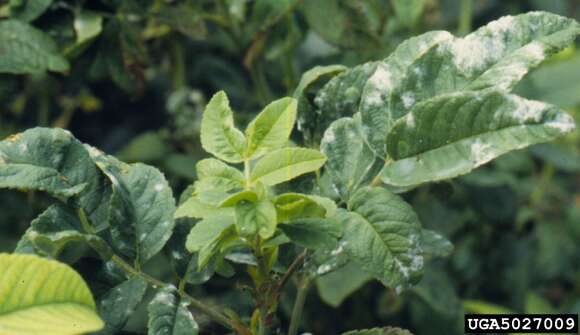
(351, 162)
(219, 135)
(195, 207)
(51, 294)
(256, 218)
(207, 230)
(383, 235)
(118, 304)
(312, 233)
(291, 206)
(53, 161)
(232, 200)
(271, 129)
(286, 164)
(141, 210)
(170, 316)
(452, 134)
(26, 49)
(376, 115)
(214, 174)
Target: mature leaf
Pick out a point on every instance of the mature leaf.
(53, 161)
(376, 113)
(25, 49)
(50, 293)
(196, 207)
(28, 10)
(307, 119)
(256, 218)
(246, 195)
(312, 233)
(271, 129)
(379, 331)
(141, 209)
(341, 96)
(169, 315)
(435, 244)
(58, 226)
(497, 55)
(286, 164)
(383, 235)
(351, 162)
(336, 286)
(291, 206)
(88, 25)
(214, 174)
(118, 304)
(452, 134)
(219, 135)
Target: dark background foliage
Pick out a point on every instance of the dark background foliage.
(142, 70)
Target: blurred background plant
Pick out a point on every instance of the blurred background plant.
(132, 77)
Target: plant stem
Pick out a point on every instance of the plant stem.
(296, 317)
(196, 304)
(292, 269)
(465, 17)
(247, 172)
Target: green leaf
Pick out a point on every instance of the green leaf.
(291, 206)
(383, 235)
(119, 303)
(312, 233)
(88, 25)
(497, 55)
(141, 210)
(307, 119)
(377, 115)
(271, 129)
(195, 207)
(169, 315)
(286, 164)
(452, 134)
(214, 174)
(336, 286)
(408, 11)
(435, 244)
(53, 161)
(246, 195)
(26, 49)
(28, 10)
(351, 162)
(219, 135)
(207, 230)
(48, 292)
(256, 218)
(379, 331)
(342, 95)
(58, 226)
(147, 147)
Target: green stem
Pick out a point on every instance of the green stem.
(247, 173)
(296, 317)
(465, 17)
(178, 72)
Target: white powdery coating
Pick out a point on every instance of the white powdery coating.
(481, 152)
(535, 50)
(503, 24)
(164, 298)
(410, 122)
(528, 110)
(158, 187)
(408, 99)
(329, 136)
(563, 123)
(378, 84)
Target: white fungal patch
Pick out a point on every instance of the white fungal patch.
(528, 110)
(158, 187)
(481, 152)
(164, 298)
(410, 121)
(535, 50)
(408, 99)
(23, 147)
(563, 123)
(502, 25)
(378, 85)
(329, 136)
